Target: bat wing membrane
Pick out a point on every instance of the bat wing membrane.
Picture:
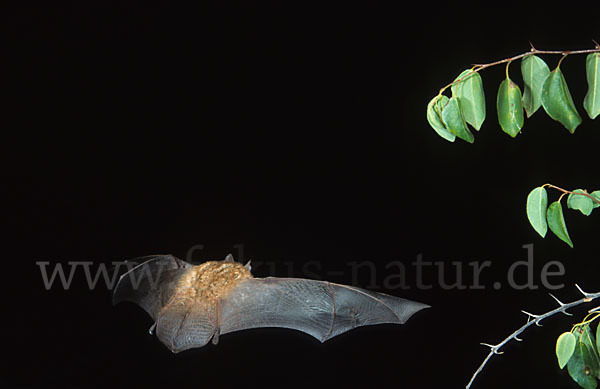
(150, 284)
(319, 308)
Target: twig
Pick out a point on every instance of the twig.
(533, 319)
(575, 193)
(478, 67)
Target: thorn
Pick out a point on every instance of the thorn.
(561, 305)
(229, 258)
(532, 48)
(531, 315)
(585, 294)
(596, 43)
(535, 317)
(518, 339)
(557, 300)
(493, 347)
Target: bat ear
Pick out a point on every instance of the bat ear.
(248, 266)
(229, 258)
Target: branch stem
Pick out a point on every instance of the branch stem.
(569, 192)
(478, 67)
(531, 320)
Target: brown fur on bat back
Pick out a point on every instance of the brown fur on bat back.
(210, 281)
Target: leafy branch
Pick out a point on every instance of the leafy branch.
(531, 320)
(594, 197)
(480, 67)
(452, 117)
(541, 216)
(449, 116)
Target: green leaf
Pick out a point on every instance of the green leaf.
(580, 202)
(581, 366)
(510, 108)
(434, 117)
(565, 346)
(534, 71)
(557, 101)
(591, 103)
(598, 339)
(537, 205)
(556, 222)
(584, 364)
(469, 92)
(455, 122)
(596, 194)
(587, 338)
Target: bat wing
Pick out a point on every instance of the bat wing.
(186, 318)
(319, 308)
(152, 283)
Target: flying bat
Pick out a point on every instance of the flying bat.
(192, 305)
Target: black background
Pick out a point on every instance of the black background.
(298, 131)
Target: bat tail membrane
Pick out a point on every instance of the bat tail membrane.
(185, 324)
(321, 309)
(150, 284)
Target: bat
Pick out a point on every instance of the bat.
(192, 305)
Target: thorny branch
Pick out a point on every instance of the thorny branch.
(478, 67)
(534, 319)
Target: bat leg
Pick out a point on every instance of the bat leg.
(215, 338)
(180, 264)
(151, 329)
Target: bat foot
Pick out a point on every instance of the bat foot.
(215, 338)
